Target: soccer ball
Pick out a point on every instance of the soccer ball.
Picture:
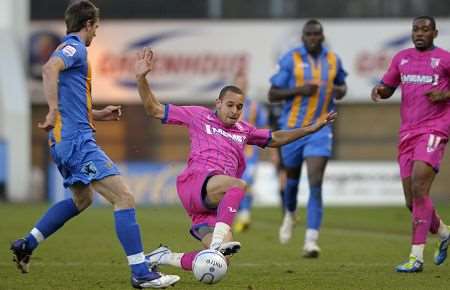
(209, 266)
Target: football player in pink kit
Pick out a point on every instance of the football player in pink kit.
(423, 73)
(210, 188)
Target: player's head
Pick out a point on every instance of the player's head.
(424, 32)
(229, 105)
(82, 16)
(312, 36)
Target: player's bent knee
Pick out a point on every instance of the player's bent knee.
(242, 184)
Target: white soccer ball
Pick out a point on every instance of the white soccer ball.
(209, 266)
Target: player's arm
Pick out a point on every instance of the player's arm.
(438, 96)
(391, 80)
(143, 66)
(381, 91)
(277, 94)
(108, 113)
(282, 137)
(339, 85)
(50, 76)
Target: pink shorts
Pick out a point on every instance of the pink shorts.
(189, 188)
(426, 147)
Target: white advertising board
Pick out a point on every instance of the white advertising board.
(196, 58)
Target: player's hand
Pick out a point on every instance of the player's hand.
(437, 96)
(376, 93)
(308, 89)
(325, 120)
(109, 113)
(49, 122)
(144, 62)
(339, 92)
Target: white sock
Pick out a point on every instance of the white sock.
(311, 236)
(171, 259)
(220, 230)
(37, 235)
(443, 231)
(417, 251)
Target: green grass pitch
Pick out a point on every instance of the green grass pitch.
(360, 247)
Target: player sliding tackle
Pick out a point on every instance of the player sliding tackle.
(211, 188)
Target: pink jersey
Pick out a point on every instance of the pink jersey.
(418, 73)
(215, 147)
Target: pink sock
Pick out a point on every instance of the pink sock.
(187, 259)
(435, 222)
(422, 216)
(229, 205)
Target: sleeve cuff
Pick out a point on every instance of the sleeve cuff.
(166, 114)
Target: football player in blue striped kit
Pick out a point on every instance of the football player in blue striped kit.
(309, 78)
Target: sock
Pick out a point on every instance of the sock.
(220, 230)
(311, 236)
(422, 214)
(315, 208)
(290, 194)
(246, 202)
(51, 221)
(229, 204)
(417, 251)
(187, 259)
(129, 235)
(435, 222)
(172, 259)
(282, 199)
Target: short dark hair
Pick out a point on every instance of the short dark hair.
(230, 88)
(313, 22)
(426, 17)
(78, 14)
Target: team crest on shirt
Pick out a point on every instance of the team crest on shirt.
(69, 50)
(435, 62)
(403, 61)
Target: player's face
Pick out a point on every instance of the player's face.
(423, 34)
(91, 31)
(229, 108)
(313, 37)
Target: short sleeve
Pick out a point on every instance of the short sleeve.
(259, 137)
(341, 74)
(71, 55)
(392, 77)
(178, 115)
(281, 78)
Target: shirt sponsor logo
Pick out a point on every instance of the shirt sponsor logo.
(218, 131)
(69, 50)
(435, 62)
(420, 79)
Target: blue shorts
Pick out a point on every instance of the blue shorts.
(316, 144)
(80, 160)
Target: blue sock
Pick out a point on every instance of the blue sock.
(246, 202)
(129, 235)
(315, 208)
(52, 220)
(290, 194)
